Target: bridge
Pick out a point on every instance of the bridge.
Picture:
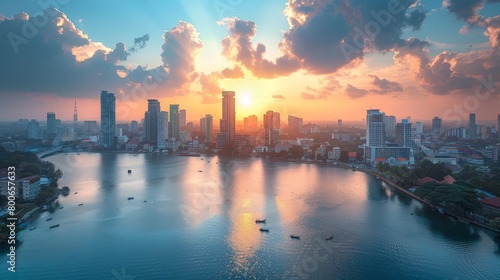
(49, 152)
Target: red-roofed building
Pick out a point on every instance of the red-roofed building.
(492, 205)
(425, 180)
(352, 156)
(448, 180)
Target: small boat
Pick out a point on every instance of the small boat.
(76, 192)
(54, 226)
(260, 221)
(294, 236)
(32, 228)
(80, 204)
(130, 198)
(129, 171)
(145, 201)
(78, 153)
(200, 171)
(61, 207)
(48, 219)
(329, 237)
(440, 210)
(264, 229)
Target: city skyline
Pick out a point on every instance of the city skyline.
(413, 65)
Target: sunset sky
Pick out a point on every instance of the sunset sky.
(320, 60)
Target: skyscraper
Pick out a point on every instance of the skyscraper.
(173, 125)
(228, 121)
(182, 118)
(436, 126)
(162, 127)
(403, 133)
(268, 120)
(472, 126)
(151, 121)
(276, 121)
(375, 128)
(75, 117)
(51, 125)
(108, 120)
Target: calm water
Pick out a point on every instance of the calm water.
(186, 224)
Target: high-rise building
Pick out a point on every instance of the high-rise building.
(162, 127)
(33, 130)
(108, 120)
(498, 125)
(375, 128)
(75, 117)
(339, 123)
(472, 126)
(276, 121)
(269, 129)
(253, 124)
(390, 125)
(228, 121)
(182, 118)
(173, 125)
(51, 125)
(419, 128)
(436, 126)
(294, 124)
(209, 127)
(151, 121)
(403, 134)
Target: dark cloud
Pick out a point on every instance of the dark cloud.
(415, 19)
(278, 96)
(139, 43)
(385, 86)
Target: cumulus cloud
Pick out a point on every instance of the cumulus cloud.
(448, 71)
(238, 47)
(324, 36)
(278, 96)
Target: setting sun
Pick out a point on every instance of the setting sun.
(246, 100)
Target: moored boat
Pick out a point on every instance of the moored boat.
(130, 198)
(264, 229)
(48, 219)
(129, 171)
(295, 236)
(329, 237)
(54, 226)
(260, 221)
(80, 204)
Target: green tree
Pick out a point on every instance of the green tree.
(296, 151)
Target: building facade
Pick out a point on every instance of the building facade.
(108, 120)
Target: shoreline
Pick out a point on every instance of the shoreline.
(336, 165)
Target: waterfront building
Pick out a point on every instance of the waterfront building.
(228, 121)
(182, 118)
(295, 124)
(173, 125)
(151, 121)
(108, 120)
(390, 125)
(51, 125)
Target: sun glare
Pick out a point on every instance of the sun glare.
(246, 100)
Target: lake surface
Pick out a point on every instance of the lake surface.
(194, 218)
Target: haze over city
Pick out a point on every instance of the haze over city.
(307, 58)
